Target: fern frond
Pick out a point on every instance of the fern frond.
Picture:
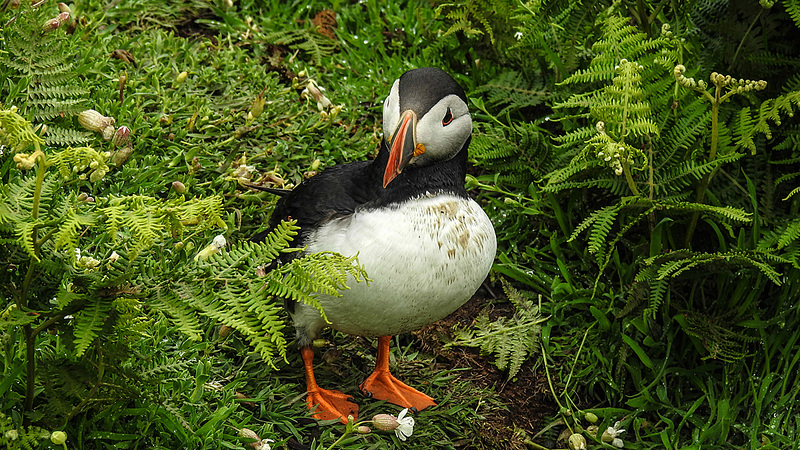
(677, 263)
(724, 212)
(513, 92)
(145, 219)
(70, 225)
(771, 110)
(720, 341)
(620, 41)
(88, 323)
(464, 16)
(16, 132)
(602, 219)
(315, 44)
(793, 8)
(167, 302)
(512, 340)
(658, 290)
(59, 137)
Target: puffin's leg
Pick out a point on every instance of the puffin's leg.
(329, 404)
(382, 385)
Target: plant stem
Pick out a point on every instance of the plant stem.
(30, 334)
(30, 376)
(712, 153)
(626, 169)
(550, 383)
(744, 37)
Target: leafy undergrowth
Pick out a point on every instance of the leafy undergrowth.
(213, 97)
(646, 217)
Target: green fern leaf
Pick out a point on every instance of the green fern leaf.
(512, 340)
(88, 323)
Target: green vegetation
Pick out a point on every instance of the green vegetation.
(638, 159)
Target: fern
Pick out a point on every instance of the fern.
(793, 8)
(512, 340)
(513, 92)
(16, 132)
(57, 136)
(771, 110)
(89, 322)
(44, 62)
(13, 436)
(514, 153)
(143, 219)
(720, 342)
(315, 44)
(466, 15)
(232, 287)
(676, 264)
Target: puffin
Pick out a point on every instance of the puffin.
(425, 244)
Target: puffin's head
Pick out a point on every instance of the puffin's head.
(425, 120)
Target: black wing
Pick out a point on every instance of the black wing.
(334, 192)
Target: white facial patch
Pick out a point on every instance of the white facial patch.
(442, 139)
(391, 110)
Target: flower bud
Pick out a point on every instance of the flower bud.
(120, 156)
(178, 187)
(94, 121)
(58, 437)
(50, 25)
(248, 433)
(224, 331)
(385, 422)
(181, 77)
(108, 133)
(257, 107)
(363, 429)
(577, 442)
(62, 18)
(590, 417)
(62, 7)
(121, 136)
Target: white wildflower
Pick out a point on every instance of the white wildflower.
(402, 426)
(405, 425)
(611, 435)
(215, 246)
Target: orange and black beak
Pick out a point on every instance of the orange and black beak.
(402, 146)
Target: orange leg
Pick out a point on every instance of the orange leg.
(329, 404)
(382, 385)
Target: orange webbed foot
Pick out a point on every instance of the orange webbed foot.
(382, 385)
(329, 404)
(325, 404)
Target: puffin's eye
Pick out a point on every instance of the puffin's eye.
(448, 117)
